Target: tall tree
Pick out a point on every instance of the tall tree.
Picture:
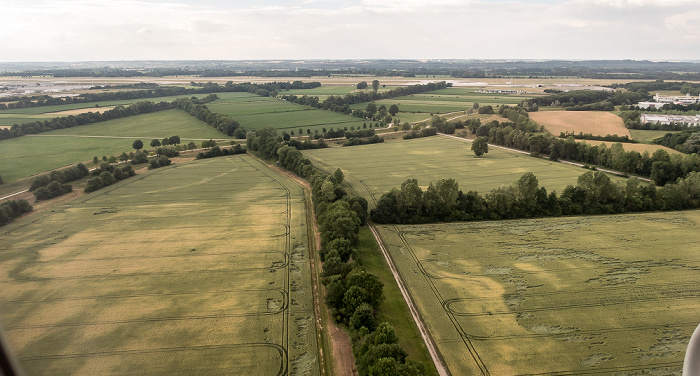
(138, 145)
(480, 146)
(393, 109)
(375, 85)
(155, 143)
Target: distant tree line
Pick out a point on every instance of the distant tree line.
(118, 112)
(262, 89)
(589, 136)
(686, 141)
(354, 141)
(353, 294)
(342, 104)
(12, 209)
(660, 85)
(594, 193)
(590, 100)
(659, 166)
(425, 132)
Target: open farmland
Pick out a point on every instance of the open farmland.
(560, 296)
(26, 115)
(597, 123)
(33, 154)
(201, 267)
(651, 148)
(254, 112)
(375, 169)
(417, 107)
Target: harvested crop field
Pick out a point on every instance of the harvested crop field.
(201, 266)
(565, 296)
(596, 123)
(79, 111)
(635, 147)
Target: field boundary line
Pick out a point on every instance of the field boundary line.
(429, 343)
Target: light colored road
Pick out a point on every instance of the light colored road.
(144, 137)
(14, 194)
(439, 365)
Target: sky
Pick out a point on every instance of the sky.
(108, 30)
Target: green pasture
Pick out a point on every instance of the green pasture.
(565, 296)
(200, 267)
(322, 92)
(260, 112)
(33, 154)
(647, 136)
(375, 169)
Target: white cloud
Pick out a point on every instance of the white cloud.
(214, 29)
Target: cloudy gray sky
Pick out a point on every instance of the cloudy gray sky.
(77, 30)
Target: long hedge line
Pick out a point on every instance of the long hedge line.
(12, 209)
(594, 193)
(353, 294)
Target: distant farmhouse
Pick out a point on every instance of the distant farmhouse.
(660, 101)
(668, 119)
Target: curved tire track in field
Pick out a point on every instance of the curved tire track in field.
(288, 253)
(429, 343)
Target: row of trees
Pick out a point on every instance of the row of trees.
(589, 136)
(353, 294)
(594, 193)
(12, 209)
(342, 104)
(659, 166)
(158, 162)
(219, 152)
(66, 175)
(264, 89)
(660, 85)
(33, 127)
(221, 122)
(106, 175)
(53, 189)
(686, 141)
(590, 100)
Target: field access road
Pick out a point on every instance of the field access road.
(432, 348)
(14, 194)
(560, 160)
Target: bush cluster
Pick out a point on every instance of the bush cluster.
(158, 162)
(53, 189)
(13, 209)
(66, 175)
(106, 175)
(218, 152)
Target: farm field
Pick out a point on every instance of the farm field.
(375, 169)
(566, 296)
(642, 135)
(24, 115)
(596, 123)
(131, 279)
(651, 148)
(417, 107)
(322, 92)
(253, 112)
(28, 155)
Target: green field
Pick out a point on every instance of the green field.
(198, 268)
(28, 155)
(322, 92)
(560, 296)
(647, 135)
(258, 112)
(417, 107)
(24, 115)
(375, 169)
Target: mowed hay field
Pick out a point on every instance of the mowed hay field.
(561, 296)
(33, 154)
(375, 169)
(596, 123)
(253, 112)
(198, 268)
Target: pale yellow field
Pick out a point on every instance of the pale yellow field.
(80, 111)
(636, 147)
(593, 122)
